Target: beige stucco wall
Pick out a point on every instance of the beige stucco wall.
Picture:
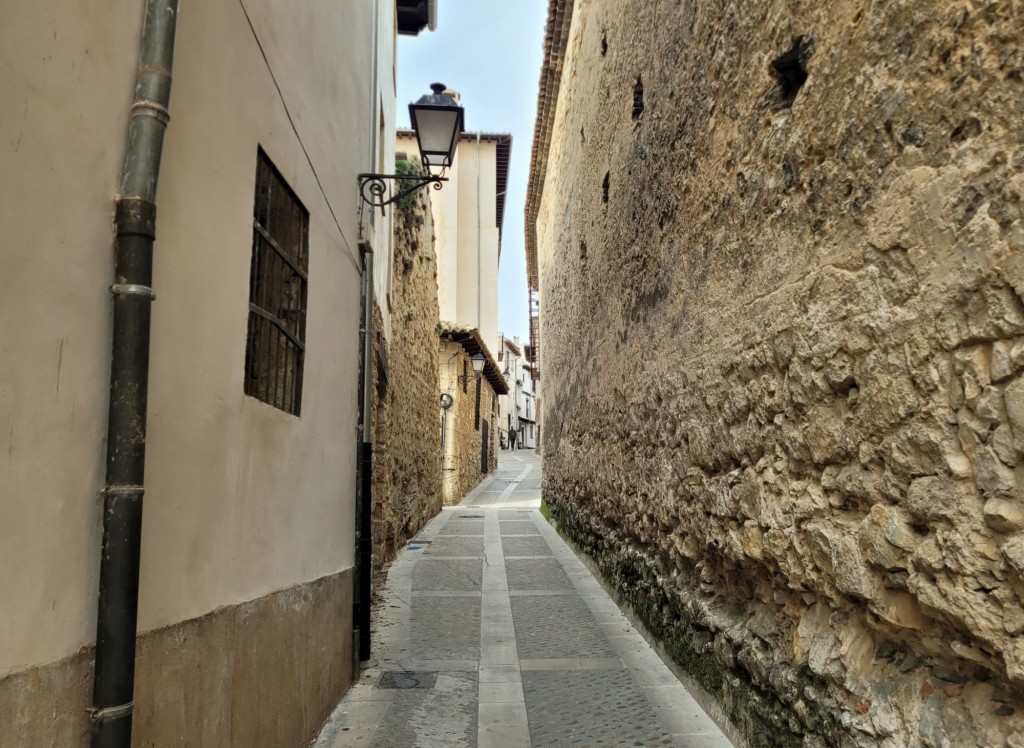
(67, 75)
(242, 499)
(782, 358)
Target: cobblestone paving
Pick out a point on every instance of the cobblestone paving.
(451, 575)
(557, 627)
(589, 707)
(537, 574)
(528, 546)
(525, 648)
(444, 716)
(463, 527)
(453, 545)
(510, 514)
(518, 527)
(445, 628)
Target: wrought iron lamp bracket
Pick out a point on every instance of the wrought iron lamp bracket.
(378, 189)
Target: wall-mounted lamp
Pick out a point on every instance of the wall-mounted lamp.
(478, 368)
(437, 120)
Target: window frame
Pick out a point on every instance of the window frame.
(278, 291)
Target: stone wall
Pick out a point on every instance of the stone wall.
(407, 446)
(463, 437)
(781, 257)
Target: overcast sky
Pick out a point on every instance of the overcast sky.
(490, 52)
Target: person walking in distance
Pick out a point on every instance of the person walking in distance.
(512, 437)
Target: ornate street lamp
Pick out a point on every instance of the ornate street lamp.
(478, 362)
(437, 120)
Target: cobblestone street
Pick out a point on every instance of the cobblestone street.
(492, 633)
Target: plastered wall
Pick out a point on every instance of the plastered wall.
(242, 499)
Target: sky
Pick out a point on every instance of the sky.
(490, 51)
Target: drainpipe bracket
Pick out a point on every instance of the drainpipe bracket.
(132, 289)
(147, 108)
(111, 713)
(129, 492)
(135, 215)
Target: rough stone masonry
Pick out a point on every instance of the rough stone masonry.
(407, 453)
(781, 258)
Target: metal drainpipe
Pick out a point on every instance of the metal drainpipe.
(364, 470)
(365, 526)
(135, 222)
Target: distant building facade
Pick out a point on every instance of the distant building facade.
(469, 410)
(519, 406)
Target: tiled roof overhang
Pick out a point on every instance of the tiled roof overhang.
(555, 38)
(471, 342)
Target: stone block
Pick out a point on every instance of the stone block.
(851, 573)
(1004, 515)
(993, 478)
(1013, 552)
(886, 537)
(932, 498)
(900, 609)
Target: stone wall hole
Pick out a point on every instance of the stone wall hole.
(604, 43)
(790, 71)
(604, 187)
(638, 99)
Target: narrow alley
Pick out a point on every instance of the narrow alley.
(286, 350)
(491, 632)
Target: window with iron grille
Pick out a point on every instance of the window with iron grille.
(276, 342)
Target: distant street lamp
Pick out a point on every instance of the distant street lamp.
(478, 361)
(437, 120)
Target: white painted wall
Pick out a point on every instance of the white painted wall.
(476, 286)
(242, 499)
(466, 237)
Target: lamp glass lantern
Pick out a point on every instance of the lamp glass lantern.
(437, 120)
(478, 363)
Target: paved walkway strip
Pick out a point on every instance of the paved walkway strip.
(493, 634)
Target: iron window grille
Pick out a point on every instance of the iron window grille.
(278, 278)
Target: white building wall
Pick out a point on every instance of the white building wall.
(466, 237)
(519, 407)
(242, 499)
